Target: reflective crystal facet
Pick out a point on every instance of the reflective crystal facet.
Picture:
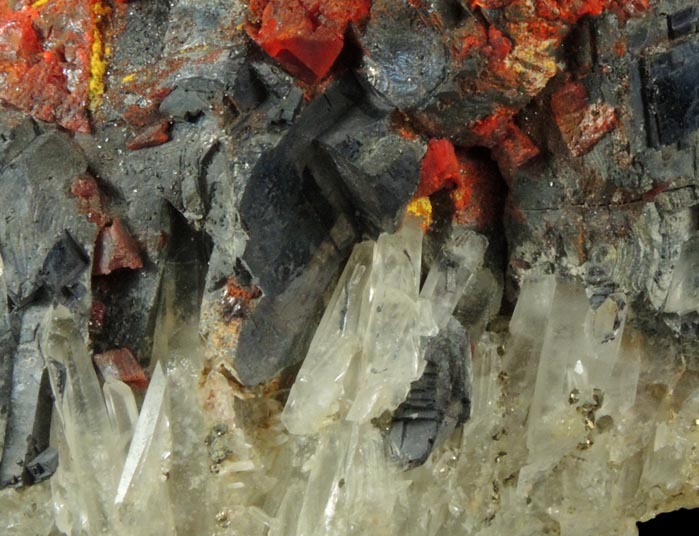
(579, 424)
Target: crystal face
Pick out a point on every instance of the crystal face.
(377, 267)
(570, 408)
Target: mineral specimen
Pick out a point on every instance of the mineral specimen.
(389, 267)
(51, 58)
(369, 346)
(305, 36)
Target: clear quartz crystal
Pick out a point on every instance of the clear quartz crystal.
(92, 428)
(87, 444)
(142, 487)
(23, 512)
(578, 355)
(683, 296)
(366, 350)
(122, 411)
(178, 351)
(368, 346)
(579, 426)
(352, 489)
(447, 279)
(321, 385)
(391, 357)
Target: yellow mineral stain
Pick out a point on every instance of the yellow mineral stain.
(98, 63)
(421, 207)
(100, 9)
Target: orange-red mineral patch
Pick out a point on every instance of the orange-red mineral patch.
(120, 364)
(625, 9)
(115, 249)
(47, 58)
(305, 36)
(473, 181)
(571, 11)
(440, 168)
(582, 125)
(484, 207)
(518, 53)
(152, 136)
(237, 301)
(90, 201)
(510, 146)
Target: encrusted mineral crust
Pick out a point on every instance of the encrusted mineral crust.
(389, 267)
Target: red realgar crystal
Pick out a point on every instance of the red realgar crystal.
(120, 364)
(305, 36)
(45, 59)
(115, 249)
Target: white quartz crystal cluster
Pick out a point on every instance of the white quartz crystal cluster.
(368, 347)
(579, 424)
(123, 471)
(366, 352)
(113, 460)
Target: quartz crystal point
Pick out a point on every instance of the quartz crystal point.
(100, 432)
(580, 350)
(351, 488)
(142, 487)
(336, 344)
(122, 410)
(376, 337)
(367, 348)
(86, 480)
(166, 462)
(346, 486)
(391, 357)
(177, 347)
(440, 399)
(683, 296)
(447, 279)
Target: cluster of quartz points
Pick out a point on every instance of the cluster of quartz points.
(122, 470)
(578, 424)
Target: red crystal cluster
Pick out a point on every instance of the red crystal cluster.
(581, 124)
(45, 58)
(470, 179)
(305, 36)
(115, 248)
